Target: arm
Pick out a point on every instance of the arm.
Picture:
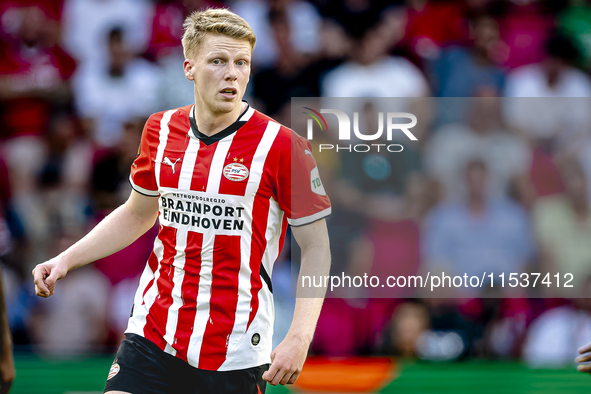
(118, 230)
(7, 371)
(288, 358)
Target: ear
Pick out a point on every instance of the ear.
(188, 68)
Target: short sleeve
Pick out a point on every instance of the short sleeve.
(301, 194)
(142, 176)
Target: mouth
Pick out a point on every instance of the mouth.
(229, 93)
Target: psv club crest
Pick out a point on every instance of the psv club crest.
(236, 172)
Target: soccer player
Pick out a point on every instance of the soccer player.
(224, 180)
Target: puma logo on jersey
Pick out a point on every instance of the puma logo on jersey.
(307, 152)
(170, 163)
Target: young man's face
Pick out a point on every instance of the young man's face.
(220, 69)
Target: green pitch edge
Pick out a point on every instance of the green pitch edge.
(54, 376)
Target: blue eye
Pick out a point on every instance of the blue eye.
(241, 63)
(216, 61)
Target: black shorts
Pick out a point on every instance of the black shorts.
(140, 367)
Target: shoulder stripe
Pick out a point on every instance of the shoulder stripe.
(310, 219)
(141, 190)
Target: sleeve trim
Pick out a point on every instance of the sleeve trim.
(310, 219)
(141, 190)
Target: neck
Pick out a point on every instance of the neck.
(210, 123)
(476, 204)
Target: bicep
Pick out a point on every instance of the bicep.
(312, 235)
(142, 206)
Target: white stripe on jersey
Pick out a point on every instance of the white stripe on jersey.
(188, 166)
(309, 219)
(258, 160)
(164, 130)
(244, 296)
(177, 280)
(143, 303)
(217, 164)
(203, 298)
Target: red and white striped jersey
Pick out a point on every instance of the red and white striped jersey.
(205, 295)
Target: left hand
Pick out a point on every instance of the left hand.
(287, 361)
(584, 358)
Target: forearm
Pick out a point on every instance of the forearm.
(115, 232)
(315, 262)
(5, 339)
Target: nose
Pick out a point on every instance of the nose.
(231, 74)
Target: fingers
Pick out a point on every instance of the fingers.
(281, 376)
(294, 377)
(270, 373)
(39, 273)
(585, 349)
(285, 378)
(583, 358)
(584, 368)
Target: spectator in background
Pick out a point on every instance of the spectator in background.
(525, 27)
(480, 233)
(166, 50)
(356, 16)
(34, 81)
(561, 120)
(86, 23)
(34, 76)
(432, 25)
(554, 337)
(471, 70)
(562, 224)
(553, 77)
(575, 22)
(276, 85)
(371, 72)
(109, 95)
(506, 157)
(302, 17)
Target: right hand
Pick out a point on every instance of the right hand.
(47, 274)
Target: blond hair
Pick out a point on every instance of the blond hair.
(216, 21)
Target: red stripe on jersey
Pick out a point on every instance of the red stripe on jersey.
(202, 166)
(174, 152)
(242, 150)
(224, 298)
(153, 264)
(155, 327)
(189, 291)
(142, 170)
(260, 214)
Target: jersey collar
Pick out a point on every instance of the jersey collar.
(208, 140)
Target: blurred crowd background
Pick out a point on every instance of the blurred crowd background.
(496, 180)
